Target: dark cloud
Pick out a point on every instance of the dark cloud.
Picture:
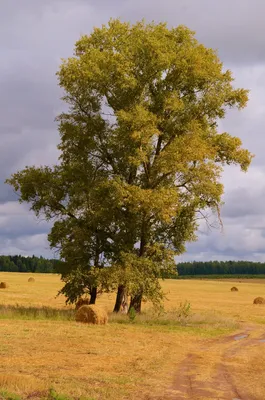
(236, 28)
(243, 203)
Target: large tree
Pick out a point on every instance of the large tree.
(141, 154)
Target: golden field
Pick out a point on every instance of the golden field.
(147, 359)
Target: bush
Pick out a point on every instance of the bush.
(132, 314)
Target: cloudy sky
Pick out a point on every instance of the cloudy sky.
(36, 34)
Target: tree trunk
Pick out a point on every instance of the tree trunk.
(136, 302)
(119, 298)
(93, 296)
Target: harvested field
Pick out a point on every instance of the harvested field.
(42, 346)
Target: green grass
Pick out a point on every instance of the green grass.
(48, 395)
(8, 396)
(38, 313)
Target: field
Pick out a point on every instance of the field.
(217, 352)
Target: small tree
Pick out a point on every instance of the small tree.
(141, 155)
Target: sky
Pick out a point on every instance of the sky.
(36, 34)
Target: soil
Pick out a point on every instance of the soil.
(190, 381)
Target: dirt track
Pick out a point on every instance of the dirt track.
(192, 381)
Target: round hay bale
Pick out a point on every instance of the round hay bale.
(259, 300)
(234, 289)
(81, 302)
(91, 315)
(31, 279)
(3, 285)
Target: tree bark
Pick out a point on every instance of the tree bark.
(119, 298)
(136, 302)
(93, 295)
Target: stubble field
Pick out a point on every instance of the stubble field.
(215, 353)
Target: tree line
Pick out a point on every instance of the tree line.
(40, 264)
(32, 264)
(220, 268)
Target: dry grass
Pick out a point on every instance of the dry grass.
(42, 346)
(111, 361)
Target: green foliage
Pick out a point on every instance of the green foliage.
(4, 395)
(246, 276)
(141, 155)
(220, 268)
(184, 311)
(132, 314)
(53, 395)
(27, 264)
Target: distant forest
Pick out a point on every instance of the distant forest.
(27, 264)
(40, 264)
(221, 268)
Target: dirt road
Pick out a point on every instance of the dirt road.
(211, 371)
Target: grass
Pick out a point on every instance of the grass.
(42, 346)
(50, 394)
(36, 313)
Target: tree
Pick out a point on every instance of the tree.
(141, 156)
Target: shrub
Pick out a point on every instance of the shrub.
(132, 314)
(184, 311)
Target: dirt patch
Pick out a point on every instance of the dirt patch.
(192, 383)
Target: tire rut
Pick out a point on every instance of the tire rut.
(190, 382)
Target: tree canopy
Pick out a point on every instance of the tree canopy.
(141, 155)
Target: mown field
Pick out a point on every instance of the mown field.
(43, 351)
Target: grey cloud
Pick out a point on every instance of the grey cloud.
(17, 221)
(27, 245)
(236, 28)
(244, 203)
(236, 243)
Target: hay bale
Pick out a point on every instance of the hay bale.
(259, 300)
(81, 302)
(91, 315)
(234, 289)
(3, 285)
(31, 279)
